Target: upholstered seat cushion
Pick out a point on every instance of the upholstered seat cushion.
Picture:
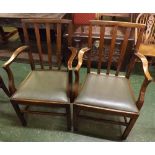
(43, 85)
(107, 92)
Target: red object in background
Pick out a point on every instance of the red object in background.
(83, 18)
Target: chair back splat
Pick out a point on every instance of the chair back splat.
(113, 39)
(49, 49)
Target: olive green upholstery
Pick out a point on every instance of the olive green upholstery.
(107, 92)
(43, 85)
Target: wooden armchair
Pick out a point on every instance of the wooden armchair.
(110, 93)
(48, 84)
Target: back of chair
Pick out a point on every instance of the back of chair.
(149, 20)
(52, 40)
(107, 50)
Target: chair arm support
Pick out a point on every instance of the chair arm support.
(145, 65)
(76, 71)
(73, 55)
(6, 65)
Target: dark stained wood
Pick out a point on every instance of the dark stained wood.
(39, 45)
(32, 15)
(58, 42)
(101, 48)
(27, 41)
(90, 46)
(14, 19)
(31, 102)
(123, 50)
(128, 28)
(112, 47)
(49, 45)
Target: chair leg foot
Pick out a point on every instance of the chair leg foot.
(19, 114)
(128, 128)
(75, 118)
(68, 113)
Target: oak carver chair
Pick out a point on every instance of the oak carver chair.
(48, 84)
(109, 93)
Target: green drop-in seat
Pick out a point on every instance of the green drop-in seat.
(107, 92)
(43, 86)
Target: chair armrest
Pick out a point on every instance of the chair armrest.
(6, 65)
(80, 57)
(14, 55)
(73, 55)
(145, 65)
(77, 68)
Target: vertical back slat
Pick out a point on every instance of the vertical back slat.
(58, 42)
(112, 48)
(39, 44)
(123, 49)
(49, 48)
(90, 46)
(28, 43)
(70, 34)
(101, 46)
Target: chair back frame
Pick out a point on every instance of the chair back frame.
(37, 24)
(128, 29)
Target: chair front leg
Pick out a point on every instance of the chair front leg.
(19, 113)
(68, 114)
(75, 117)
(129, 127)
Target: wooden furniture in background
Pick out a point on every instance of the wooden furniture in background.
(124, 16)
(14, 19)
(148, 40)
(4, 36)
(109, 93)
(48, 84)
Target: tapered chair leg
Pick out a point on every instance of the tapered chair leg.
(75, 118)
(68, 113)
(2, 85)
(129, 127)
(19, 114)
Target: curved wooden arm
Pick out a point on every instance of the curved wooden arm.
(145, 65)
(76, 71)
(15, 54)
(80, 57)
(6, 65)
(73, 55)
